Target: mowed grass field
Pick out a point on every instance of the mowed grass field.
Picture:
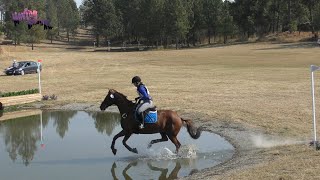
(260, 85)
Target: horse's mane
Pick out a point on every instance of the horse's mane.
(123, 96)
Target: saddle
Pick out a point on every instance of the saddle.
(150, 115)
(154, 108)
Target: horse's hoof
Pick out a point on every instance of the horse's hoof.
(149, 145)
(134, 150)
(114, 151)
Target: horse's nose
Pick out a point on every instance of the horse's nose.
(102, 108)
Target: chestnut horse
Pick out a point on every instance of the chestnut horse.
(168, 124)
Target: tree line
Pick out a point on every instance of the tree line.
(62, 15)
(166, 22)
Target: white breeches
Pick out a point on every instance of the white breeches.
(144, 106)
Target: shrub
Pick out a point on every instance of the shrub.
(45, 97)
(18, 93)
(53, 97)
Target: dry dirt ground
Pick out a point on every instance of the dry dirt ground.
(256, 95)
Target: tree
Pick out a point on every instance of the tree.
(227, 25)
(242, 12)
(313, 8)
(152, 20)
(212, 14)
(196, 19)
(102, 15)
(20, 32)
(131, 18)
(68, 16)
(176, 24)
(52, 16)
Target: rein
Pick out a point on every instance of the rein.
(124, 105)
(124, 115)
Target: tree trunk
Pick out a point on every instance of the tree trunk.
(68, 35)
(289, 15)
(311, 15)
(177, 42)
(278, 17)
(194, 39)
(97, 40)
(274, 16)
(58, 29)
(209, 35)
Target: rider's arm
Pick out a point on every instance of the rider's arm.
(142, 90)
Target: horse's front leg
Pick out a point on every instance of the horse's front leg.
(124, 142)
(120, 134)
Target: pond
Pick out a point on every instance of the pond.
(76, 145)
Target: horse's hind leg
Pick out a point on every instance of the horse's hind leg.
(175, 141)
(163, 138)
(124, 142)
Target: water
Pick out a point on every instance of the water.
(76, 145)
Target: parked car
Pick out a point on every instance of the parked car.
(24, 67)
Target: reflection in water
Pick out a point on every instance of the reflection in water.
(105, 122)
(124, 172)
(21, 136)
(163, 171)
(61, 121)
(163, 175)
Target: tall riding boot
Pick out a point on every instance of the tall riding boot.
(141, 126)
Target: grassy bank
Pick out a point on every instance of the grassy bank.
(260, 85)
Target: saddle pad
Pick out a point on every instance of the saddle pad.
(151, 117)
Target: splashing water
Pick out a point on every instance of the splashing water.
(262, 141)
(187, 151)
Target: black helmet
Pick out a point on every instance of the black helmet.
(136, 79)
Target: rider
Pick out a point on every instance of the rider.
(15, 64)
(144, 99)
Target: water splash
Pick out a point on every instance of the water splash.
(262, 141)
(187, 151)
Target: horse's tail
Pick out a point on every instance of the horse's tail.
(193, 131)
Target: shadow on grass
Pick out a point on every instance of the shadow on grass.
(299, 45)
(121, 49)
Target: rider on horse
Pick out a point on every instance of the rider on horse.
(144, 100)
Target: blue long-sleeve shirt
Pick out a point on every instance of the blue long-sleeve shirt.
(143, 93)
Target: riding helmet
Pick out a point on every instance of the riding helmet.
(136, 79)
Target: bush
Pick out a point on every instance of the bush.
(45, 97)
(18, 93)
(52, 97)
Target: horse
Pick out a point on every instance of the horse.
(168, 124)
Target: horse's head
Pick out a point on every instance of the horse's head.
(109, 100)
